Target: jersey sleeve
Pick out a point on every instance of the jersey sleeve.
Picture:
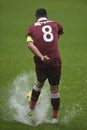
(29, 35)
(60, 30)
(29, 32)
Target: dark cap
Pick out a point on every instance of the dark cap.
(41, 12)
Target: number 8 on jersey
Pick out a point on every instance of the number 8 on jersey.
(47, 33)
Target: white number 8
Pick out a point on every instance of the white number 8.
(47, 30)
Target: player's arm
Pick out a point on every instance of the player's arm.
(35, 50)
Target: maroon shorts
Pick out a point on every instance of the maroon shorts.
(50, 72)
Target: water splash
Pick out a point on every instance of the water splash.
(18, 105)
(71, 112)
(15, 106)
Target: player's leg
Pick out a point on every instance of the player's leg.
(55, 101)
(54, 79)
(35, 94)
(41, 77)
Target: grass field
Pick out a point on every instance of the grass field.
(16, 60)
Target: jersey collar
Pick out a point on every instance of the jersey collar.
(42, 19)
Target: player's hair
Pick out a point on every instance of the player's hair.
(41, 13)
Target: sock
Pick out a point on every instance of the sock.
(55, 101)
(35, 95)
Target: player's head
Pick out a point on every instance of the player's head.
(41, 13)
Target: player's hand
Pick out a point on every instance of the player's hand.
(45, 59)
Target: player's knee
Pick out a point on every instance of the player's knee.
(39, 85)
(54, 89)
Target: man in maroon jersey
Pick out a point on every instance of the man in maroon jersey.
(42, 40)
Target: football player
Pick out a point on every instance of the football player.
(42, 39)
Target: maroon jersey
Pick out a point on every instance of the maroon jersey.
(45, 34)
